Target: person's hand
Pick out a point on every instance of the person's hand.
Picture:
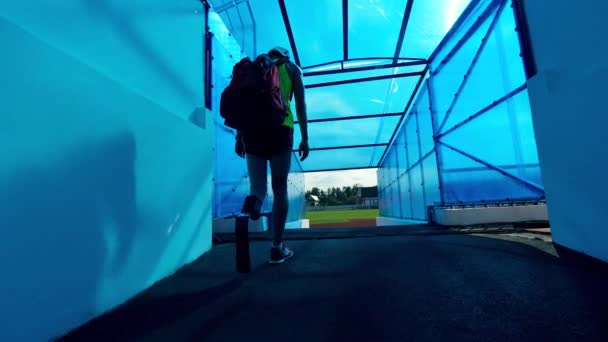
(304, 150)
(239, 147)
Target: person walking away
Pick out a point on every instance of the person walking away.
(275, 146)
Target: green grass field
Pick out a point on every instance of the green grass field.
(341, 216)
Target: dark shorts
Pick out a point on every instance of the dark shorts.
(266, 143)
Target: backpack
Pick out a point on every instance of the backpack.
(253, 100)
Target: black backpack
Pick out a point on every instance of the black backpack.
(253, 100)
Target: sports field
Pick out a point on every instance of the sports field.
(343, 218)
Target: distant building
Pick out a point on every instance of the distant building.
(368, 196)
(312, 201)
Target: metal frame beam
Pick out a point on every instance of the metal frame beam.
(528, 184)
(343, 70)
(292, 42)
(365, 79)
(479, 168)
(345, 28)
(484, 42)
(407, 108)
(434, 123)
(228, 5)
(525, 42)
(208, 41)
(482, 111)
(343, 147)
(342, 169)
(472, 30)
(406, 19)
(457, 25)
(352, 117)
(363, 59)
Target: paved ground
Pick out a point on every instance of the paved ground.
(387, 288)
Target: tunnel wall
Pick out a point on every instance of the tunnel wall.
(567, 96)
(106, 180)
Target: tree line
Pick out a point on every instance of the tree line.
(346, 195)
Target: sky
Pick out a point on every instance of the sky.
(324, 180)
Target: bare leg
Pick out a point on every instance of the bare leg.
(279, 166)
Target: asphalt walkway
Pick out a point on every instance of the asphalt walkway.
(454, 287)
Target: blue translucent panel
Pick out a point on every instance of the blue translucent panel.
(399, 146)
(532, 173)
(296, 185)
(349, 132)
(446, 82)
(424, 122)
(413, 151)
(430, 20)
(390, 185)
(353, 75)
(231, 184)
(227, 163)
(498, 71)
(388, 208)
(465, 180)
(395, 212)
(390, 167)
(269, 28)
(364, 98)
(418, 201)
(393, 166)
(343, 158)
(229, 195)
(248, 24)
(230, 191)
(382, 204)
(239, 22)
(406, 199)
(507, 128)
(431, 180)
(225, 56)
(397, 209)
(385, 173)
(380, 176)
(391, 201)
(373, 27)
(317, 33)
(382, 191)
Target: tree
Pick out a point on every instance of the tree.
(346, 195)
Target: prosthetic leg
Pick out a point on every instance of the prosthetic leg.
(251, 209)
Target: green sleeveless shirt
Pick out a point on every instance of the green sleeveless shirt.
(286, 88)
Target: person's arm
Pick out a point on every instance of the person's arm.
(300, 98)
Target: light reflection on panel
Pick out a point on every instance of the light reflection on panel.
(430, 21)
(343, 158)
(353, 75)
(374, 26)
(364, 98)
(349, 132)
(317, 30)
